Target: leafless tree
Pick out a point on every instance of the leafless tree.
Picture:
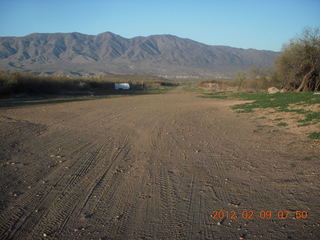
(299, 63)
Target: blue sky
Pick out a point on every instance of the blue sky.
(260, 24)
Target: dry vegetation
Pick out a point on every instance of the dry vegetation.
(30, 84)
(253, 80)
(296, 69)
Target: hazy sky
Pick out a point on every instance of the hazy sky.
(260, 24)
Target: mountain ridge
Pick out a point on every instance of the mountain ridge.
(109, 53)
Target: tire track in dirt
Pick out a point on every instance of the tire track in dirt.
(27, 205)
(27, 202)
(71, 196)
(43, 147)
(121, 197)
(28, 199)
(100, 184)
(207, 182)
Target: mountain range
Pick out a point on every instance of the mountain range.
(109, 53)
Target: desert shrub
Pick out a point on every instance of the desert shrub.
(27, 83)
(254, 80)
(298, 66)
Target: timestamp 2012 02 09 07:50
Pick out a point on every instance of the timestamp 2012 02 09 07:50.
(262, 214)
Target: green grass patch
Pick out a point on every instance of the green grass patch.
(244, 110)
(258, 129)
(282, 124)
(220, 95)
(311, 116)
(304, 124)
(280, 102)
(307, 158)
(315, 135)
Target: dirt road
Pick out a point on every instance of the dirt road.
(153, 167)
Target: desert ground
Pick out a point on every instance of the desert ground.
(153, 167)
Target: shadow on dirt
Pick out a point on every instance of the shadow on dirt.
(28, 99)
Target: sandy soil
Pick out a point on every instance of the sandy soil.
(152, 167)
(270, 117)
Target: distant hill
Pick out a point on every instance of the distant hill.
(108, 53)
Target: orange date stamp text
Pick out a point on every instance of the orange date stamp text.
(262, 214)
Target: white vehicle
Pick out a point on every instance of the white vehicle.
(123, 86)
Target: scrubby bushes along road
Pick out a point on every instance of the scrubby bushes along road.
(27, 83)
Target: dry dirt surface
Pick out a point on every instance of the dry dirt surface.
(153, 167)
